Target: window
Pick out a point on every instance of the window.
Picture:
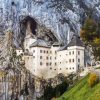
(66, 61)
(73, 67)
(73, 52)
(55, 64)
(50, 51)
(41, 63)
(67, 68)
(78, 52)
(40, 57)
(78, 66)
(27, 57)
(78, 60)
(40, 51)
(60, 55)
(33, 51)
(50, 68)
(55, 52)
(70, 68)
(44, 51)
(50, 63)
(54, 69)
(60, 68)
(69, 60)
(73, 60)
(55, 58)
(33, 56)
(47, 58)
(47, 51)
(60, 62)
(47, 64)
(69, 53)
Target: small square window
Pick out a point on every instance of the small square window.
(50, 63)
(78, 60)
(47, 58)
(78, 52)
(33, 56)
(69, 60)
(47, 64)
(55, 64)
(41, 63)
(40, 51)
(40, 57)
(50, 68)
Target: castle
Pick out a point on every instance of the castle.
(45, 60)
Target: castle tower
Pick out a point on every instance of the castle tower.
(71, 57)
(30, 38)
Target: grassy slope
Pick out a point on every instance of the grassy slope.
(81, 91)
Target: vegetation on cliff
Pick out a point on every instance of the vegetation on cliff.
(82, 91)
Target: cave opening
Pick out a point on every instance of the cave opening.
(30, 25)
(32, 22)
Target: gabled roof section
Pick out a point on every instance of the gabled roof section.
(56, 44)
(40, 43)
(75, 41)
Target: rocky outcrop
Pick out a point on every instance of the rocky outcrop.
(61, 17)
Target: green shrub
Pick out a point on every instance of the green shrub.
(93, 79)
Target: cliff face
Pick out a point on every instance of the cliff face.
(61, 17)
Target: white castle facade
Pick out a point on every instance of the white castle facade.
(47, 61)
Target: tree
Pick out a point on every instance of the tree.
(93, 79)
(90, 34)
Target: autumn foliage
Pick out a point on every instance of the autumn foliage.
(90, 34)
(93, 79)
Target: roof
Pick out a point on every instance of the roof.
(56, 44)
(40, 43)
(75, 41)
(28, 54)
(19, 48)
(62, 48)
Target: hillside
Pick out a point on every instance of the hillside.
(82, 91)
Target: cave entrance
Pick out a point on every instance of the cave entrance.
(30, 24)
(26, 22)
